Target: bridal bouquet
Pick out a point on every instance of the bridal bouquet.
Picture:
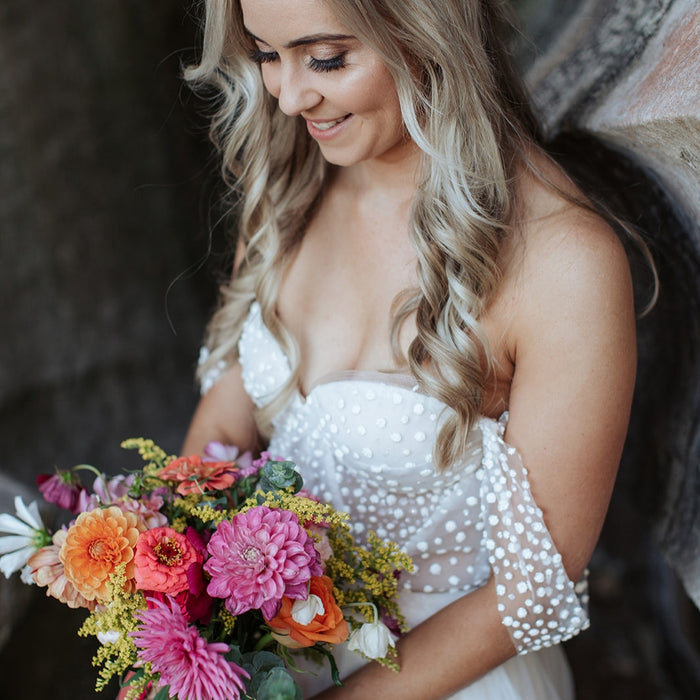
(205, 576)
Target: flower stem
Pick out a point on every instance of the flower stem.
(264, 641)
(364, 605)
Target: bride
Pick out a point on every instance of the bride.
(425, 315)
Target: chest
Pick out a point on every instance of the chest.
(339, 296)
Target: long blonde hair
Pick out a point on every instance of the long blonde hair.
(464, 108)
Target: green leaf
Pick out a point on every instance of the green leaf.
(275, 684)
(263, 660)
(234, 655)
(335, 675)
(138, 673)
(163, 693)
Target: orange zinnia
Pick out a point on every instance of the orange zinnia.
(329, 626)
(98, 542)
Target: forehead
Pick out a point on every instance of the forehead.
(281, 21)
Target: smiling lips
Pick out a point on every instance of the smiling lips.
(326, 125)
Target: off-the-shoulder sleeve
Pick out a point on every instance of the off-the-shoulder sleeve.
(538, 602)
(213, 374)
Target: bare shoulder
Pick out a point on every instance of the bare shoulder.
(568, 264)
(572, 344)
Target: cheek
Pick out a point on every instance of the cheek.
(380, 96)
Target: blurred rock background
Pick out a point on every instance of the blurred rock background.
(107, 196)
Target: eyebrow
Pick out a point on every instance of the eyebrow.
(306, 40)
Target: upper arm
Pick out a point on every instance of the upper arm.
(226, 414)
(574, 352)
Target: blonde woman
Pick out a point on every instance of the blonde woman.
(425, 316)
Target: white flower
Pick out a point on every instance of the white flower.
(373, 640)
(26, 534)
(26, 576)
(109, 637)
(304, 611)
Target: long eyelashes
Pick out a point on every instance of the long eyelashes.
(260, 57)
(320, 65)
(327, 64)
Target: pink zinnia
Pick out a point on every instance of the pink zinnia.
(193, 668)
(161, 560)
(259, 557)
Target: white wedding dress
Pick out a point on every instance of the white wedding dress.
(363, 442)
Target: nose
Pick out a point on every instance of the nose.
(296, 93)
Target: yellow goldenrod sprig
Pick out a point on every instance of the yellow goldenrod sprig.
(114, 620)
(155, 457)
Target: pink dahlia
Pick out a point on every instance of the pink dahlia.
(193, 668)
(259, 557)
(161, 560)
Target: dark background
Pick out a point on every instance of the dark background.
(110, 252)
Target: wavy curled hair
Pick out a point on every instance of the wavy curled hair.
(462, 104)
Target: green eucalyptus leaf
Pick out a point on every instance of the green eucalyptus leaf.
(274, 684)
(234, 655)
(263, 660)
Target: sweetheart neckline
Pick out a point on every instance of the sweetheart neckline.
(402, 381)
(377, 377)
(394, 379)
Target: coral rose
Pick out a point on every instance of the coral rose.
(197, 475)
(96, 544)
(161, 560)
(327, 626)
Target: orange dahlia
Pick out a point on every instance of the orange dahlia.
(48, 571)
(98, 542)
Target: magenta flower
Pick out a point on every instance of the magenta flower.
(193, 668)
(61, 488)
(260, 556)
(105, 492)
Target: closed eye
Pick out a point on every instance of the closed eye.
(261, 57)
(327, 64)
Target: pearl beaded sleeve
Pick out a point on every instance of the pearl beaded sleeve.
(538, 602)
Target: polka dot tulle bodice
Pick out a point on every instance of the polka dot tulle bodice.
(363, 442)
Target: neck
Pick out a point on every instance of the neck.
(394, 175)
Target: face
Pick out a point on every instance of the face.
(317, 70)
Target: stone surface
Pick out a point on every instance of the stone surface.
(653, 112)
(598, 42)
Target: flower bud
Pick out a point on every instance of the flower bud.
(373, 640)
